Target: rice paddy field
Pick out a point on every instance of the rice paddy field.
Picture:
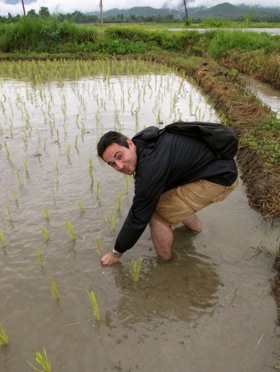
(209, 308)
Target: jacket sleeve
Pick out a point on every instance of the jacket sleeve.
(150, 181)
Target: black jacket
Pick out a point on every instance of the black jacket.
(171, 161)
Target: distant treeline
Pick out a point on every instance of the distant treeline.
(79, 17)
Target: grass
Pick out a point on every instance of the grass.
(4, 339)
(94, 305)
(43, 361)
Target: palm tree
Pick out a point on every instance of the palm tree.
(23, 7)
(101, 13)
(186, 10)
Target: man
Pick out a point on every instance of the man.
(175, 176)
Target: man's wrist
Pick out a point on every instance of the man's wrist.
(116, 253)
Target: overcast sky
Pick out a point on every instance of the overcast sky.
(69, 6)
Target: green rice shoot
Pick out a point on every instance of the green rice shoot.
(98, 247)
(81, 205)
(98, 186)
(70, 229)
(119, 201)
(43, 361)
(53, 288)
(4, 339)
(46, 213)
(94, 305)
(40, 257)
(8, 210)
(135, 268)
(2, 239)
(45, 234)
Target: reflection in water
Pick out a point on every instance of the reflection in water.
(182, 289)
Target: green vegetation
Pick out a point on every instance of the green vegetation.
(94, 305)
(135, 268)
(42, 360)
(4, 339)
(53, 288)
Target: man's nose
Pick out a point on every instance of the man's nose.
(119, 165)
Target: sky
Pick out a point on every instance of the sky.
(84, 6)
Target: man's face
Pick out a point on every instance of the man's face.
(121, 158)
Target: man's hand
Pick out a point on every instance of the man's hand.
(109, 259)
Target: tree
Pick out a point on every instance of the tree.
(44, 12)
(32, 13)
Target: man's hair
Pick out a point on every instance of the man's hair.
(108, 139)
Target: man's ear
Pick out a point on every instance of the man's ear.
(131, 144)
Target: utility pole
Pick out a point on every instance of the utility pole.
(101, 12)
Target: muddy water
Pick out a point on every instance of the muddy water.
(209, 308)
(268, 94)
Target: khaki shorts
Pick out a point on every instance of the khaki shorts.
(177, 204)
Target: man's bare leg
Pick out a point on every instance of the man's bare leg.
(162, 237)
(193, 223)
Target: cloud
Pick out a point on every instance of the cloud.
(85, 6)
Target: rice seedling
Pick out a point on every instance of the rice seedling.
(43, 361)
(70, 229)
(90, 172)
(14, 192)
(45, 234)
(8, 211)
(81, 206)
(4, 339)
(90, 160)
(25, 164)
(94, 305)
(119, 201)
(8, 152)
(127, 182)
(53, 288)
(2, 239)
(57, 136)
(98, 247)
(56, 166)
(40, 257)
(53, 193)
(20, 178)
(68, 150)
(98, 187)
(76, 141)
(135, 268)
(46, 214)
